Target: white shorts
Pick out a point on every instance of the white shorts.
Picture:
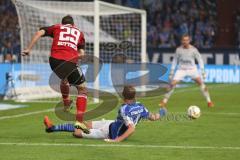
(182, 73)
(100, 129)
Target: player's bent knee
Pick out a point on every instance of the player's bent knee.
(89, 124)
(82, 89)
(199, 81)
(77, 133)
(174, 83)
(64, 82)
(204, 87)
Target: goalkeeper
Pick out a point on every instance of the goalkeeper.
(185, 59)
(67, 47)
(129, 114)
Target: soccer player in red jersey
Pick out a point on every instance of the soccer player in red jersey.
(67, 47)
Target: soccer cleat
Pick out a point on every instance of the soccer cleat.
(163, 111)
(48, 124)
(210, 104)
(67, 105)
(82, 126)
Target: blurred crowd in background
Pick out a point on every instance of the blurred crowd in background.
(9, 32)
(167, 20)
(238, 27)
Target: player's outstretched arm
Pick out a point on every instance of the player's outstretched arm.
(154, 116)
(126, 134)
(34, 40)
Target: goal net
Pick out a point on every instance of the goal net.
(109, 30)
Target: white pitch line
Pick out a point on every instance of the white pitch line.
(211, 113)
(50, 110)
(183, 90)
(25, 114)
(123, 146)
(187, 89)
(223, 113)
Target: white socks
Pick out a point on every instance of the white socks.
(205, 92)
(168, 95)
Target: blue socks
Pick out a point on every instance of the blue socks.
(63, 127)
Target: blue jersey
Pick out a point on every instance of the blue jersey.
(127, 114)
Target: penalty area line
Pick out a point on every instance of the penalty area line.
(122, 146)
(154, 97)
(188, 89)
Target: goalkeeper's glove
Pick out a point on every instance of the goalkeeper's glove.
(163, 111)
(203, 74)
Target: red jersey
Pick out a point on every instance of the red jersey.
(67, 40)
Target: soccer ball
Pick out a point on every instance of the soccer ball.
(194, 112)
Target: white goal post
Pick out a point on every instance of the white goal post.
(102, 23)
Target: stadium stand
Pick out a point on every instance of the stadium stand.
(238, 27)
(9, 32)
(169, 19)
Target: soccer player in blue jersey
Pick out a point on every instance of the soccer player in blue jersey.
(129, 114)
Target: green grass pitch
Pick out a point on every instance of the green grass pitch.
(215, 135)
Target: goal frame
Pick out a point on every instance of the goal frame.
(97, 15)
(96, 52)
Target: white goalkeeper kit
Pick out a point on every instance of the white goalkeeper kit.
(185, 59)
